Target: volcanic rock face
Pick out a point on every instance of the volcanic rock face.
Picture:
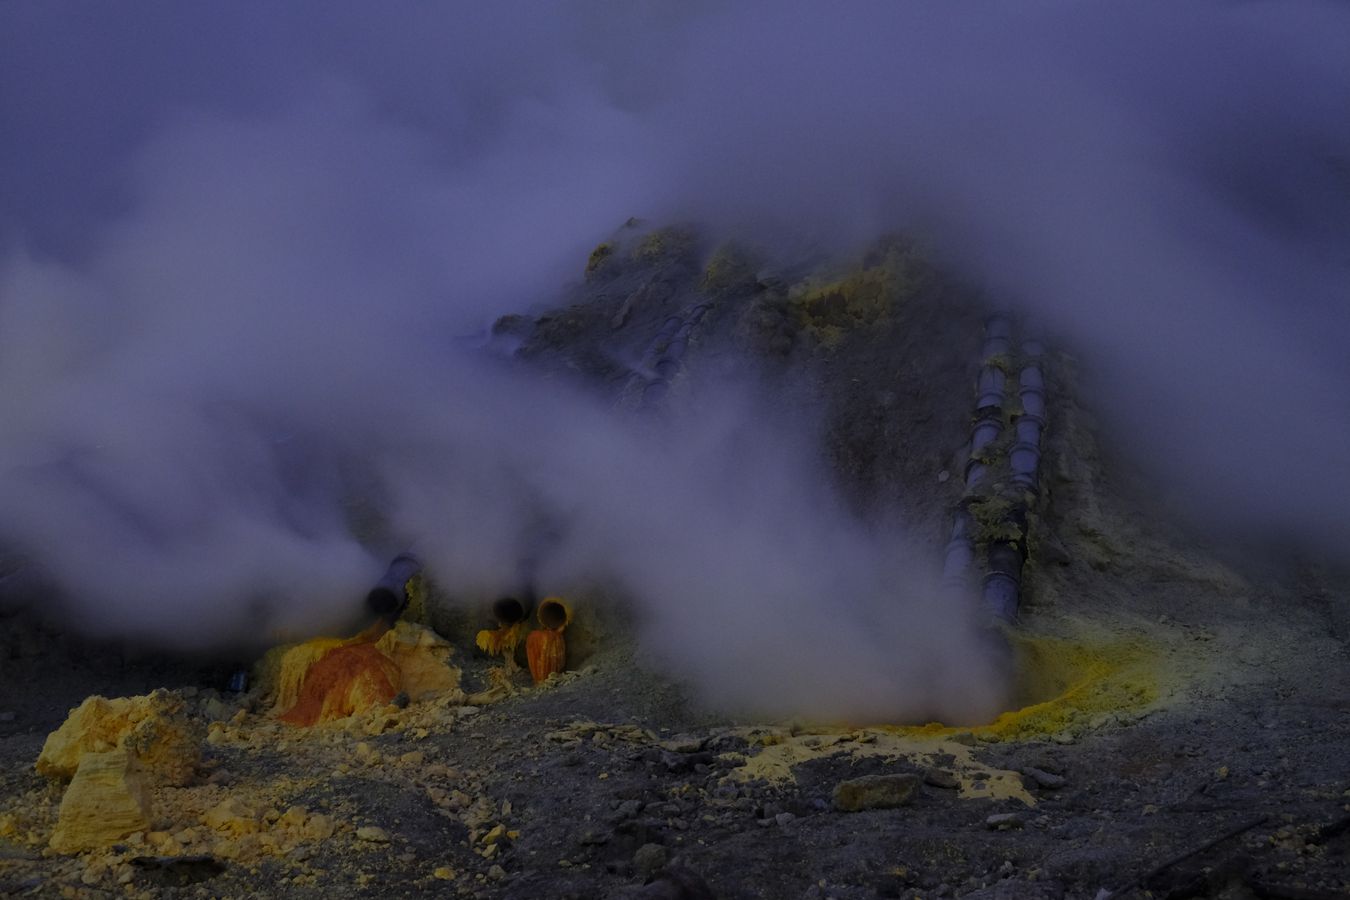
(106, 800)
(154, 730)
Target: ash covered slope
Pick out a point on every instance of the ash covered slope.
(872, 354)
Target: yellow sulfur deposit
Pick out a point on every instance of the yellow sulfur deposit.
(423, 661)
(501, 641)
(1066, 686)
(154, 729)
(106, 801)
(332, 678)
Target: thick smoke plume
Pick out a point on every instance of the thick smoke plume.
(240, 248)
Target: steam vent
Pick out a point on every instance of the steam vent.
(675, 451)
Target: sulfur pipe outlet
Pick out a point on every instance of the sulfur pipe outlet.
(554, 614)
(389, 597)
(513, 610)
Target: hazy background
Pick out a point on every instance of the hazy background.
(237, 244)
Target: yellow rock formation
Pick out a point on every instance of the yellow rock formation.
(106, 801)
(153, 728)
(423, 660)
(331, 678)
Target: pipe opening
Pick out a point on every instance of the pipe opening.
(554, 614)
(511, 610)
(389, 597)
(384, 602)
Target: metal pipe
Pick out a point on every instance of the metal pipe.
(389, 597)
(1024, 459)
(998, 325)
(511, 610)
(675, 349)
(975, 472)
(960, 552)
(1033, 401)
(991, 388)
(985, 431)
(1028, 429)
(1003, 583)
(554, 613)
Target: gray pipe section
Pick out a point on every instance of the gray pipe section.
(1003, 581)
(665, 354)
(1001, 590)
(1025, 457)
(389, 597)
(960, 555)
(984, 432)
(990, 395)
(992, 388)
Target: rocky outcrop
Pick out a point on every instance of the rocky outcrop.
(154, 729)
(875, 792)
(423, 660)
(106, 801)
(327, 679)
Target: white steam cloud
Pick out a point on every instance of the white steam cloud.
(239, 243)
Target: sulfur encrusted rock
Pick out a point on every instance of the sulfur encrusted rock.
(423, 660)
(106, 801)
(154, 729)
(344, 681)
(329, 678)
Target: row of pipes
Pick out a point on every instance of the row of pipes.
(666, 350)
(1001, 586)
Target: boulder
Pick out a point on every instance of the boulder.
(106, 801)
(875, 792)
(154, 729)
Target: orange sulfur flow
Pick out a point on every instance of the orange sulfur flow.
(343, 681)
(325, 679)
(546, 648)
